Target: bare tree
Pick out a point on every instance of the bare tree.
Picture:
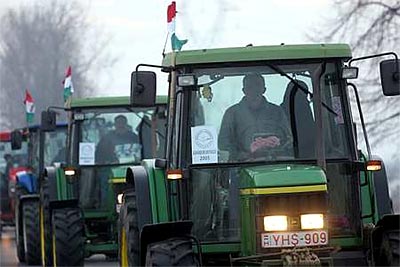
(370, 27)
(37, 43)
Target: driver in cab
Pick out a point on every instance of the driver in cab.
(117, 142)
(255, 128)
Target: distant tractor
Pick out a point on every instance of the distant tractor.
(43, 149)
(11, 162)
(262, 165)
(80, 200)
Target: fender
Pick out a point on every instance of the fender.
(51, 174)
(137, 177)
(28, 181)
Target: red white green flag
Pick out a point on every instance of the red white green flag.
(29, 107)
(171, 15)
(68, 86)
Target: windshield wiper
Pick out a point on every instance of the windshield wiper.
(304, 90)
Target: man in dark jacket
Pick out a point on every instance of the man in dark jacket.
(117, 144)
(255, 128)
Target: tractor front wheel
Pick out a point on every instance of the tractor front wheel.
(171, 252)
(129, 232)
(44, 224)
(67, 237)
(30, 229)
(389, 250)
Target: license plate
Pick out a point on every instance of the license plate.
(294, 239)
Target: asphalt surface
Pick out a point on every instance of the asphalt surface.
(9, 256)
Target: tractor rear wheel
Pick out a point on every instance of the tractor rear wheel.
(30, 229)
(129, 232)
(390, 249)
(44, 224)
(19, 237)
(67, 238)
(171, 252)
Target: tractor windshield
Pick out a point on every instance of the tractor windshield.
(109, 139)
(240, 116)
(261, 114)
(114, 137)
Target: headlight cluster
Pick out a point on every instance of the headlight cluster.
(280, 222)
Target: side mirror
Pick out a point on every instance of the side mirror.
(390, 77)
(16, 140)
(143, 88)
(48, 122)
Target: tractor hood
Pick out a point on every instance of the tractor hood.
(282, 175)
(118, 174)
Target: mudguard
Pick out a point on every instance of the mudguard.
(137, 178)
(54, 198)
(28, 181)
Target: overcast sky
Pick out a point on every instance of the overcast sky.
(138, 29)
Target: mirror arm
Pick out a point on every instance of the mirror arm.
(361, 119)
(378, 55)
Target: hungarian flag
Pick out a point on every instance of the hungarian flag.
(68, 86)
(29, 107)
(171, 15)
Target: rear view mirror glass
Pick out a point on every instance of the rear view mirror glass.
(390, 77)
(16, 140)
(48, 122)
(143, 88)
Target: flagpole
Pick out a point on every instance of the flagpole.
(165, 44)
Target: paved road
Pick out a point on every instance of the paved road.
(9, 257)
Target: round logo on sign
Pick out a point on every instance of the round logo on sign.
(204, 139)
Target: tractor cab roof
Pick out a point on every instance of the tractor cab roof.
(258, 53)
(110, 101)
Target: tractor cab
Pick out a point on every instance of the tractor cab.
(106, 135)
(262, 156)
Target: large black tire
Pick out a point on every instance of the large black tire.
(68, 241)
(389, 250)
(171, 252)
(128, 243)
(19, 237)
(45, 226)
(30, 229)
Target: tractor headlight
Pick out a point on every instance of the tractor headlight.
(275, 223)
(119, 198)
(312, 221)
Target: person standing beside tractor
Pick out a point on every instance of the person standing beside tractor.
(255, 128)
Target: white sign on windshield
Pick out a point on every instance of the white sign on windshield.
(86, 153)
(204, 145)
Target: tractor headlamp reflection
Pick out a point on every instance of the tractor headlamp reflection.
(275, 223)
(312, 221)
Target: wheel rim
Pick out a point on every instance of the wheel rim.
(54, 250)
(42, 241)
(124, 249)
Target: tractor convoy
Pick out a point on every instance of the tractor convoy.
(251, 160)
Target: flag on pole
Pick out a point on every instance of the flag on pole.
(176, 43)
(68, 86)
(29, 107)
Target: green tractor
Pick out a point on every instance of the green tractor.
(262, 165)
(80, 200)
(43, 149)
